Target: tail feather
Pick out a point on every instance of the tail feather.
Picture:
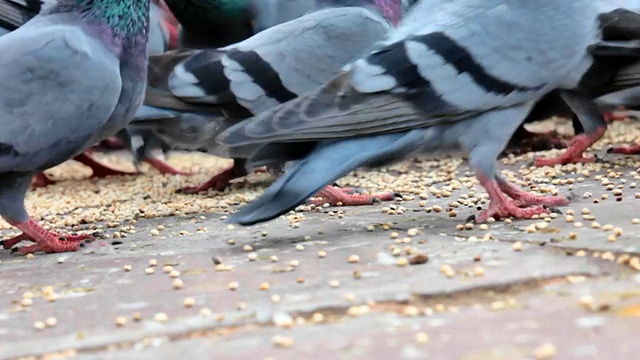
(201, 79)
(329, 161)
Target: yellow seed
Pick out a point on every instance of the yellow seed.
(264, 233)
(167, 269)
(264, 286)
(595, 225)
(252, 256)
(394, 235)
(149, 270)
(273, 258)
(153, 262)
(247, 248)
(517, 246)
(607, 227)
(612, 238)
(174, 273)
(231, 242)
(282, 341)
(294, 263)
(617, 231)
(26, 302)
(573, 235)
(189, 302)
(353, 259)
(402, 262)
(545, 351)
(205, 312)
(127, 268)
(39, 325)
(334, 283)
(233, 285)
(30, 256)
(412, 232)
(28, 295)
(275, 298)
(121, 321)
(299, 247)
(153, 232)
(51, 322)
(585, 211)
(422, 338)
(478, 271)
(577, 224)
(317, 317)
(635, 221)
(530, 229)
(161, 317)
(484, 227)
(136, 316)
(322, 254)
(177, 284)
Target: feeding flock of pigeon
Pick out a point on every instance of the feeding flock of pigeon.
(309, 89)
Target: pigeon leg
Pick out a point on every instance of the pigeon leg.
(42, 180)
(592, 123)
(219, 181)
(625, 150)
(500, 207)
(46, 241)
(163, 167)
(99, 170)
(522, 198)
(335, 195)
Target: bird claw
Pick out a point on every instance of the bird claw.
(333, 195)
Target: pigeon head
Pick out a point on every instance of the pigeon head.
(390, 9)
(121, 24)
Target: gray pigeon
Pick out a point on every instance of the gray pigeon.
(448, 77)
(50, 106)
(215, 88)
(610, 71)
(14, 13)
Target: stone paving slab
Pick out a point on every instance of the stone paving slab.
(516, 302)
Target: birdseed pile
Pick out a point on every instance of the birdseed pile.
(79, 203)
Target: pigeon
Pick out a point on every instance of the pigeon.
(162, 37)
(617, 25)
(447, 77)
(50, 105)
(247, 78)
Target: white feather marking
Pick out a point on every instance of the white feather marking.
(367, 78)
(183, 84)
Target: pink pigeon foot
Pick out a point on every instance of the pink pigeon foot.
(575, 153)
(99, 170)
(347, 197)
(45, 240)
(164, 168)
(501, 207)
(625, 150)
(41, 180)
